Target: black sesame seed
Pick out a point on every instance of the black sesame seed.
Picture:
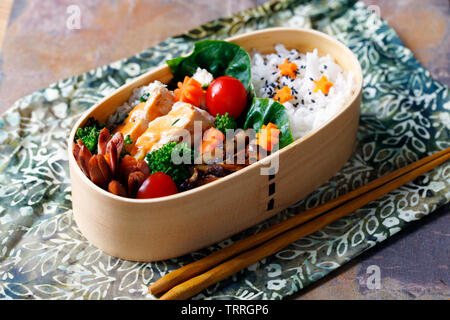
(311, 79)
(313, 101)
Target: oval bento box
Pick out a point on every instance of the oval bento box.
(163, 228)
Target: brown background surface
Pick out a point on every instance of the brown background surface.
(38, 49)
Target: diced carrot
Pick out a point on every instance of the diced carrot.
(190, 91)
(268, 136)
(288, 69)
(283, 95)
(323, 84)
(212, 138)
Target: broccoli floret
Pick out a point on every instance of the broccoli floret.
(161, 160)
(144, 97)
(225, 122)
(89, 134)
(126, 142)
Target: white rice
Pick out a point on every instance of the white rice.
(308, 110)
(203, 76)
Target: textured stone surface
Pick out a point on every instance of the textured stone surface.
(39, 49)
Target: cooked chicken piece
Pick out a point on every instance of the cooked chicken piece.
(159, 103)
(175, 126)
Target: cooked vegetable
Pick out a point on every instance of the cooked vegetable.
(224, 122)
(190, 91)
(157, 185)
(288, 69)
(323, 84)
(220, 58)
(268, 136)
(206, 173)
(126, 142)
(226, 95)
(263, 111)
(282, 95)
(212, 138)
(89, 134)
(160, 160)
(144, 97)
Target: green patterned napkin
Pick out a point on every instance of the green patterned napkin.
(405, 115)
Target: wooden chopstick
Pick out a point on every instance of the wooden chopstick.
(351, 201)
(195, 268)
(195, 285)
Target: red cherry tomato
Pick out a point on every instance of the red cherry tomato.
(226, 94)
(157, 185)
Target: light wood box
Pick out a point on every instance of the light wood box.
(157, 229)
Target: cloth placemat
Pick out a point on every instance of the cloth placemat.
(405, 115)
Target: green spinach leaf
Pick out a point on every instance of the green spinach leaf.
(220, 58)
(264, 110)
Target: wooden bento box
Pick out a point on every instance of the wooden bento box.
(163, 228)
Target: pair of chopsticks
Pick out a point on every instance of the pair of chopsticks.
(191, 279)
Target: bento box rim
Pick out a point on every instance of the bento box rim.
(253, 166)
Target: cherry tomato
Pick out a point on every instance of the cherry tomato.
(226, 94)
(157, 185)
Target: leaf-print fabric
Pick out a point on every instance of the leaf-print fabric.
(405, 115)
